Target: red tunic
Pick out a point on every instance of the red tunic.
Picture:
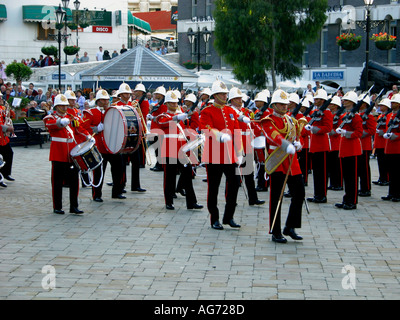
(92, 118)
(393, 144)
(172, 138)
(4, 140)
(352, 146)
(274, 127)
(320, 140)
(369, 129)
(214, 121)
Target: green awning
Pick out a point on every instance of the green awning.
(42, 13)
(138, 24)
(3, 12)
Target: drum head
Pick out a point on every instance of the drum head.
(81, 148)
(258, 143)
(115, 129)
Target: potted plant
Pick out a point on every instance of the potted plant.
(384, 41)
(348, 41)
(71, 50)
(72, 26)
(50, 51)
(189, 64)
(206, 65)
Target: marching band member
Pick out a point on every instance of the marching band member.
(66, 133)
(204, 98)
(282, 133)
(73, 106)
(218, 123)
(5, 148)
(235, 99)
(93, 121)
(379, 142)
(193, 121)
(392, 150)
(334, 163)
(319, 147)
(364, 169)
(351, 131)
(158, 109)
(172, 139)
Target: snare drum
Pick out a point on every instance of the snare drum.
(122, 129)
(86, 157)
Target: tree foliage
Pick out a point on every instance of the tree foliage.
(19, 71)
(261, 36)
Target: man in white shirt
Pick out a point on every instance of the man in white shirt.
(99, 55)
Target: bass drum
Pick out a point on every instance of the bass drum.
(122, 129)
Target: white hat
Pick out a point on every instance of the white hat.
(262, 96)
(396, 98)
(178, 93)
(310, 97)
(367, 99)
(161, 90)
(70, 94)
(351, 96)
(337, 101)
(171, 96)
(385, 102)
(321, 94)
(191, 97)
(305, 103)
(266, 91)
(294, 97)
(218, 87)
(235, 93)
(140, 87)
(102, 94)
(124, 88)
(61, 100)
(280, 96)
(206, 91)
(115, 95)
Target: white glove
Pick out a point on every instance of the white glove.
(291, 149)
(307, 127)
(225, 138)
(297, 145)
(100, 127)
(387, 135)
(244, 119)
(91, 139)
(181, 117)
(148, 124)
(339, 130)
(64, 122)
(149, 117)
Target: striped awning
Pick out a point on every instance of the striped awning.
(42, 13)
(3, 12)
(138, 24)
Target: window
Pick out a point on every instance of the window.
(43, 33)
(393, 32)
(324, 46)
(208, 8)
(194, 8)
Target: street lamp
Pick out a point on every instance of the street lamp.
(192, 36)
(65, 5)
(76, 5)
(60, 14)
(368, 4)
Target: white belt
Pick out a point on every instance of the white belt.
(174, 135)
(56, 139)
(245, 133)
(273, 147)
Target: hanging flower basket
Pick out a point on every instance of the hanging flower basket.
(72, 26)
(206, 65)
(348, 41)
(84, 25)
(49, 51)
(71, 50)
(383, 41)
(190, 64)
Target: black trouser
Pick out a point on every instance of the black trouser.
(60, 170)
(393, 161)
(334, 165)
(247, 173)
(171, 167)
(304, 159)
(214, 176)
(296, 189)
(349, 168)
(8, 155)
(382, 165)
(134, 159)
(116, 163)
(319, 174)
(364, 171)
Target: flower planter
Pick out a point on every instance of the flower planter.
(350, 45)
(50, 51)
(71, 50)
(206, 66)
(385, 44)
(190, 65)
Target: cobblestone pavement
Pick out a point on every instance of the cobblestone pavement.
(136, 249)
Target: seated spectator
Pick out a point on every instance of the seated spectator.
(114, 54)
(106, 55)
(40, 97)
(76, 59)
(85, 57)
(48, 61)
